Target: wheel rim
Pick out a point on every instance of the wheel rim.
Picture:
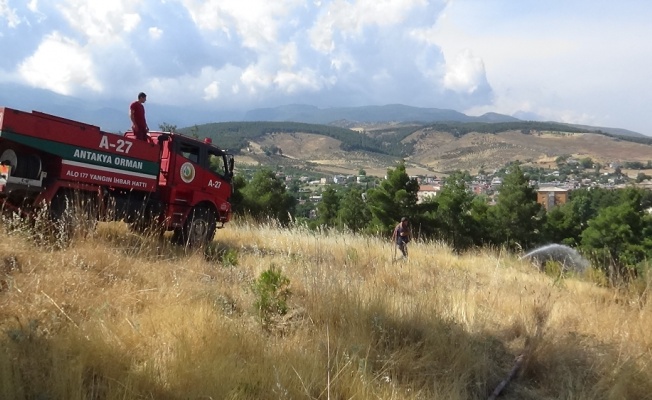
(198, 232)
(199, 228)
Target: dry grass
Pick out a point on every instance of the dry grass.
(444, 151)
(119, 316)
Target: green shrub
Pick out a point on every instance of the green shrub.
(272, 290)
(229, 258)
(214, 252)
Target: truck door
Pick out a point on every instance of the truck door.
(185, 171)
(219, 170)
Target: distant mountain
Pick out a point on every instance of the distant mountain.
(492, 117)
(111, 114)
(367, 114)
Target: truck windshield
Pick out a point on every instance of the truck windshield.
(216, 164)
(220, 163)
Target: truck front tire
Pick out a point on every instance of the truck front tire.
(199, 228)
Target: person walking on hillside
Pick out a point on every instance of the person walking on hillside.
(137, 115)
(402, 235)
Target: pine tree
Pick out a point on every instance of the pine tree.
(328, 207)
(454, 217)
(396, 197)
(619, 236)
(354, 214)
(517, 217)
(265, 196)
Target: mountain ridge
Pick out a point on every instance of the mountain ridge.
(367, 114)
(395, 113)
(111, 114)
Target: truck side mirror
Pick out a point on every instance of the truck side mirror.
(163, 137)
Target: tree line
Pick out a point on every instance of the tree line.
(612, 227)
(235, 136)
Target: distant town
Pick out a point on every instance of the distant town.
(554, 183)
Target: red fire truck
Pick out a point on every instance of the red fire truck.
(170, 182)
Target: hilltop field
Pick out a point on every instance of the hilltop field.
(271, 313)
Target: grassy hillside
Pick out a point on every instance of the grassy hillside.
(236, 136)
(119, 316)
(442, 146)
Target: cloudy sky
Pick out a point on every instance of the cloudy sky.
(578, 61)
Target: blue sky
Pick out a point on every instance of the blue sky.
(575, 61)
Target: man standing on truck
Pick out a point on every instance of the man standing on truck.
(137, 115)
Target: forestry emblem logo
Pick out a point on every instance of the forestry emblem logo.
(187, 172)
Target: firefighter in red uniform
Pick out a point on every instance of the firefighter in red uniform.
(137, 114)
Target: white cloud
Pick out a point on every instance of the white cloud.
(61, 65)
(256, 22)
(289, 55)
(155, 33)
(465, 73)
(255, 78)
(293, 82)
(265, 47)
(38, 16)
(8, 14)
(321, 37)
(206, 14)
(33, 6)
(568, 63)
(188, 89)
(212, 91)
(100, 21)
(468, 55)
(349, 19)
(280, 74)
(130, 22)
(341, 62)
(381, 77)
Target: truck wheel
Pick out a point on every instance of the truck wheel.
(148, 223)
(22, 166)
(147, 227)
(199, 228)
(72, 213)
